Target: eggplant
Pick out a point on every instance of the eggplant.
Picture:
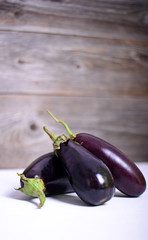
(48, 168)
(45, 176)
(89, 176)
(127, 176)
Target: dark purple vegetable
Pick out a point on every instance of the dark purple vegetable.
(50, 170)
(127, 176)
(89, 176)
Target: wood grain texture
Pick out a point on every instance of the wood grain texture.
(67, 65)
(86, 61)
(103, 19)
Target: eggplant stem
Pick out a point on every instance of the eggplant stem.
(33, 187)
(71, 135)
(56, 140)
(50, 134)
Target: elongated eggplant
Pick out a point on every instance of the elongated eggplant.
(127, 176)
(48, 168)
(89, 176)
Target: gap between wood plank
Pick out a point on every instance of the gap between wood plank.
(125, 41)
(3, 94)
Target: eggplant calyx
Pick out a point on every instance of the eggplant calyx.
(71, 135)
(57, 140)
(33, 187)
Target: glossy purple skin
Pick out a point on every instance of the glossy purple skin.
(127, 176)
(89, 176)
(50, 170)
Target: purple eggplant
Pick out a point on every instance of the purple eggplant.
(48, 168)
(90, 177)
(127, 176)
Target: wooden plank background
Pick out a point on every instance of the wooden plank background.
(86, 61)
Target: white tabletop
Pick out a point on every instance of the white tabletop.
(66, 217)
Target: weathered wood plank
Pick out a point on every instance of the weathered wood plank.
(67, 65)
(123, 122)
(103, 19)
(84, 60)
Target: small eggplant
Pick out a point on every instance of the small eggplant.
(89, 176)
(50, 170)
(45, 176)
(127, 176)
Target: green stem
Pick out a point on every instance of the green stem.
(71, 135)
(33, 187)
(56, 140)
(50, 134)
